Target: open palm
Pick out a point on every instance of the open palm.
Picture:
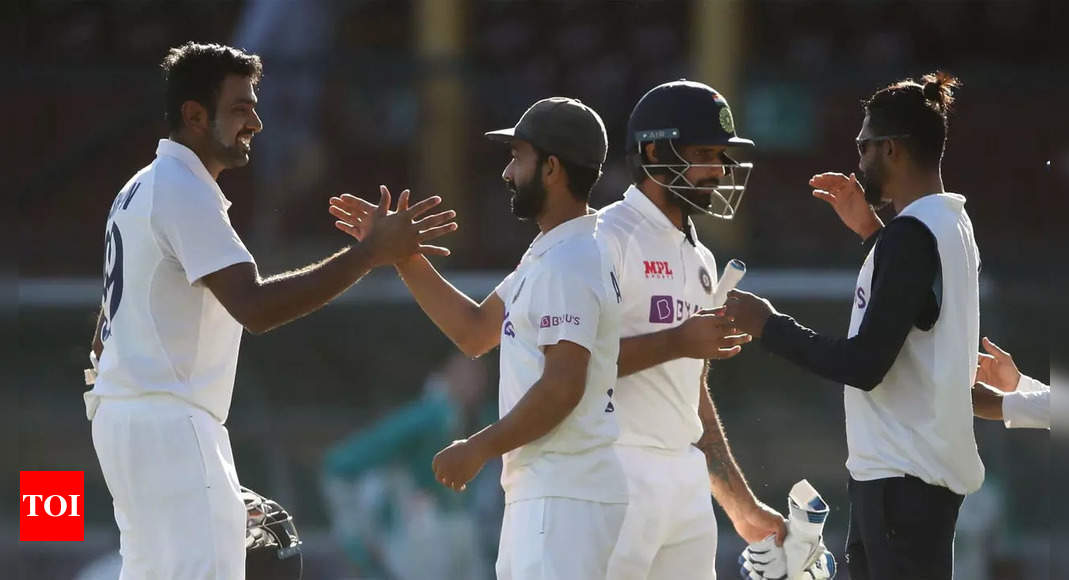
(846, 196)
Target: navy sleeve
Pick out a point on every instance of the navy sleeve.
(903, 295)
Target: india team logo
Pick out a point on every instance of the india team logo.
(705, 279)
(726, 122)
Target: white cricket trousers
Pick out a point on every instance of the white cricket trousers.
(669, 532)
(557, 538)
(170, 471)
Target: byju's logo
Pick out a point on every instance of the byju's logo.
(662, 310)
(51, 506)
(665, 309)
(551, 321)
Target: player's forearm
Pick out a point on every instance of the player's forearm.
(540, 410)
(97, 345)
(285, 297)
(728, 485)
(452, 311)
(638, 353)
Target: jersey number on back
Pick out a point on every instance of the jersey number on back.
(113, 262)
(112, 278)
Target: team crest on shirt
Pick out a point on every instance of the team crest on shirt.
(705, 279)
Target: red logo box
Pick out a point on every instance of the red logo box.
(51, 506)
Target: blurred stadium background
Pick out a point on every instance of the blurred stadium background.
(399, 92)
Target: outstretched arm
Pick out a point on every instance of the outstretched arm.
(264, 304)
(474, 327)
(707, 335)
(906, 266)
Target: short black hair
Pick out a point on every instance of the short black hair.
(195, 72)
(581, 179)
(917, 109)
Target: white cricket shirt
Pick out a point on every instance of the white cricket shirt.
(664, 279)
(563, 289)
(165, 332)
(919, 420)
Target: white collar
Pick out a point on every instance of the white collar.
(645, 206)
(184, 154)
(582, 225)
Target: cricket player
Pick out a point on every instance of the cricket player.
(179, 288)
(910, 357)
(671, 442)
(557, 320)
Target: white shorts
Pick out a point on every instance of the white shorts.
(170, 471)
(670, 528)
(556, 538)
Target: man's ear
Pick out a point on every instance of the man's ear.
(650, 150)
(195, 116)
(551, 169)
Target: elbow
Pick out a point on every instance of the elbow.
(252, 322)
(255, 329)
(567, 394)
(871, 376)
(474, 346)
(471, 348)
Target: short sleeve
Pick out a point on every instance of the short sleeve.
(503, 287)
(194, 226)
(565, 306)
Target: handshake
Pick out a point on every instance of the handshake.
(803, 555)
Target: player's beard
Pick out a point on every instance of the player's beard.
(872, 182)
(702, 198)
(528, 198)
(230, 152)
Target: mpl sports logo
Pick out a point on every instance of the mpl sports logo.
(50, 506)
(657, 269)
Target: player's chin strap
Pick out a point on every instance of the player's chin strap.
(729, 196)
(803, 555)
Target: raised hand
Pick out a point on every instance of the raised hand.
(846, 196)
(997, 368)
(709, 335)
(392, 237)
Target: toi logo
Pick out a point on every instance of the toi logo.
(51, 506)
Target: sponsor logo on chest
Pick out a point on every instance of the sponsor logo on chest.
(657, 269)
(666, 309)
